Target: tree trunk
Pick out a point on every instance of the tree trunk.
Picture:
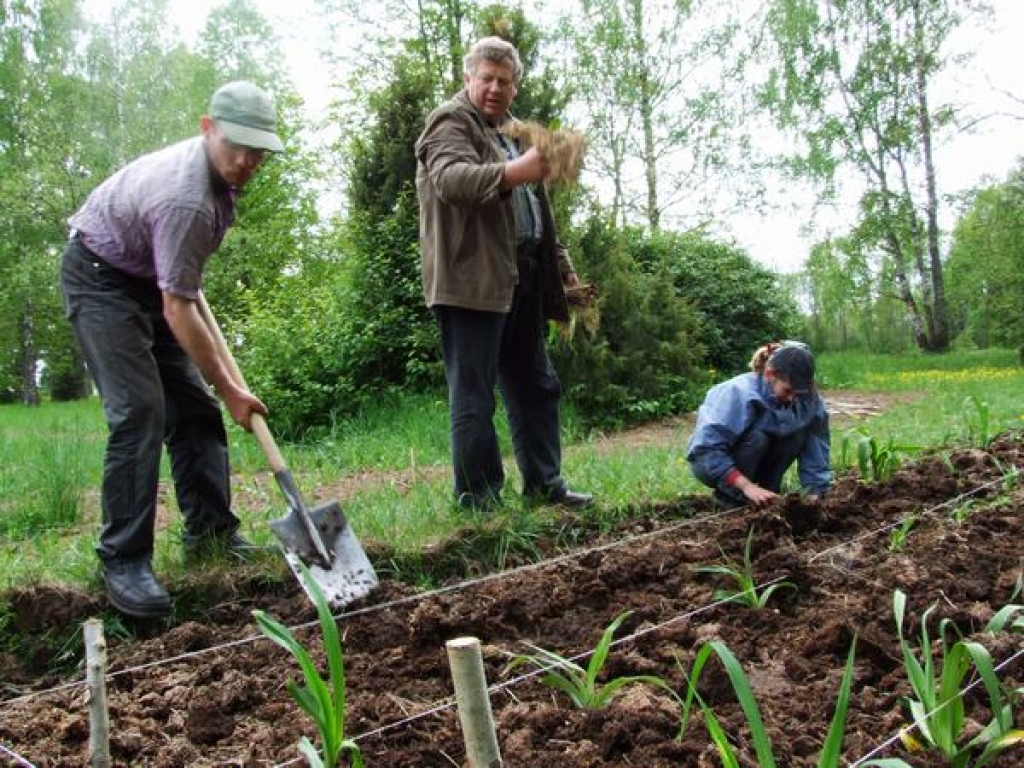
(28, 358)
(938, 330)
(650, 167)
(906, 295)
(646, 105)
(455, 17)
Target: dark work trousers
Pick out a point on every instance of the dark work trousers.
(152, 394)
(480, 350)
(764, 459)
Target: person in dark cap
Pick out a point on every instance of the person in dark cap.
(131, 276)
(753, 427)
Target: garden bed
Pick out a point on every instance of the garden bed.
(217, 696)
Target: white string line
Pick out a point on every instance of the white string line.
(899, 735)
(908, 728)
(497, 688)
(448, 703)
(482, 580)
(384, 606)
(901, 521)
(15, 756)
(473, 582)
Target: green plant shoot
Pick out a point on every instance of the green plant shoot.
(1009, 618)
(878, 461)
(580, 684)
(742, 575)
(898, 537)
(978, 418)
(830, 752)
(937, 705)
(323, 702)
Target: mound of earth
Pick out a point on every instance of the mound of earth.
(211, 691)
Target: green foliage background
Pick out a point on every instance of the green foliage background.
(323, 306)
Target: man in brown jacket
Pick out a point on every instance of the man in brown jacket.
(493, 274)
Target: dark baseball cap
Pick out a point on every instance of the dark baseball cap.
(794, 361)
(246, 115)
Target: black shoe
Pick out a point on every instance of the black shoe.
(563, 497)
(133, 589)
(199, 548)
(572, 499)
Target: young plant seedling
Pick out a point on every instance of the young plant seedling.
(898, 537)
(877, 461)
(323, 702)
(579, 684)
(937, 705)
(961, 512)
(1010, 475)
(742, 575)
(830, 751)
(1009, 618)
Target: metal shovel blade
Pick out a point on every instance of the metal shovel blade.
(349, 575)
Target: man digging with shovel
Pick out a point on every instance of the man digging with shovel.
(131, 278)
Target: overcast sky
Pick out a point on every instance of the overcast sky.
(778, 239)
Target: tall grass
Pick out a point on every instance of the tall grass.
(393, 461)
(46, 466)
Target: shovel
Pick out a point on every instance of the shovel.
(320, 538)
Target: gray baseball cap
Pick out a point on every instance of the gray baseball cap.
(246, 115)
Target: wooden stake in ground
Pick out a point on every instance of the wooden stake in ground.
(474, 704)
(96, 694)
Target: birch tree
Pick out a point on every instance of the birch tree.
(648, 74)
(854, 80)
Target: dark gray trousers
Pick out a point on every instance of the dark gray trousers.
(764, 459)
(480, 350)
(152, 394)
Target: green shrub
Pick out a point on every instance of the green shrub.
(644, 361)
(740, 304)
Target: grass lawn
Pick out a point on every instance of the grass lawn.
(391, 464)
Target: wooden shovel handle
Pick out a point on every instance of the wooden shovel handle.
(259, 424)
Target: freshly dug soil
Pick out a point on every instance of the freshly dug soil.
(210, 691)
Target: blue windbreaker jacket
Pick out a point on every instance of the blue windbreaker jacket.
(746, 401)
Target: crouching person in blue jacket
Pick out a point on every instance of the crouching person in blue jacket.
(751, 428)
